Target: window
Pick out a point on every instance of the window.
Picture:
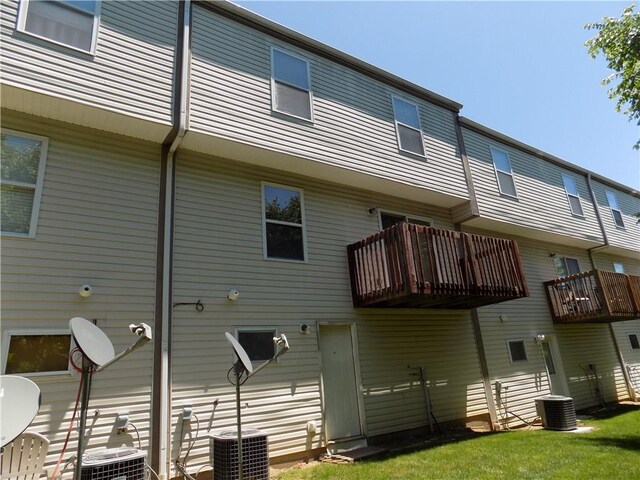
(572, 195)
(618, 267)
(22, 173)
(390, 219)
(36, 353)
(290, 85)
(66, 22)
(517, 350)
(283, 211)
(502, 166)
(633, 340)
(258, 343)
(408, 129)
(615, 210)
(566, 266)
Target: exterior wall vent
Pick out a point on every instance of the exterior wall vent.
(224, 454)
(557, 412)
(114, 463)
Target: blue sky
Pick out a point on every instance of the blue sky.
(520, 68)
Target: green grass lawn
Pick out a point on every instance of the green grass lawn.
(611, 451)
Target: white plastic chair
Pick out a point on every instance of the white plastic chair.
(23, 459)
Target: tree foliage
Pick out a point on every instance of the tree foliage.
(618, 39)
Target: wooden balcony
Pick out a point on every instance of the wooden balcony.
(594, 297)
(416, 266)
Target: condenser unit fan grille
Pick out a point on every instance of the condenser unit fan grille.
(557, 412)
(114, 464)
(255, 454)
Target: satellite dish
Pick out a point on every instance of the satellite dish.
(240, 353)
(19, 404)
(93, 342)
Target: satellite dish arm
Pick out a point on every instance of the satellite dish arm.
(144, 335)
(281, 342)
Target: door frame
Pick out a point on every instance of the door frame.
(552, 339)
(356, 369)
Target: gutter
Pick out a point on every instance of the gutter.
(161, 387)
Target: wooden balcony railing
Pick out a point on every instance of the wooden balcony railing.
(594, 297)
(416, 266)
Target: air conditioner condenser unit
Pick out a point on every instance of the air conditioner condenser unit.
(224, 454)
(114, 464)
(557, 412)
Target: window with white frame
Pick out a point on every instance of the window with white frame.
(388, 219)
(615, 209)
(504, 174)
(73, 23)
(283, 215)
(618, 267)
(290, 85)
(633, 341)
(408, 130)
(572, 195)
(22, 174)
(30, 352)
(517, 350)
(566, 266)
(258, 343)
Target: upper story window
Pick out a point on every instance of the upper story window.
(73, 23)
(618, 267)
(22, 174)
(408, 129)
(388, 219)
(290, 85)
(283, 215)
(502, 166)
(566, 266)
(572, 195)
(615, 210)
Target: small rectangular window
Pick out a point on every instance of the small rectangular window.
(633, 340)
(572, 195)
(283, 215)
(408, 130)
(291, 85)
(36, 353)
(22, 175)
(618, 267)
(615, 209)
(517, 350)
(390, 219)
(66, 22)
(258, 343)
(504, 174)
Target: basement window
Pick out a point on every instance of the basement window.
(615, 209)
(408, 130)
(258, 343)
(32, 353)
(70, 23)
(573, 196)
(504, 174)
(517, 351)
(290, 85)
(633, 340)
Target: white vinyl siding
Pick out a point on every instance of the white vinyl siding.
(408, 130)
(23, 164)
(615, 209)
(73, 24)
(291, 85)
(504, 174)
(573, 197)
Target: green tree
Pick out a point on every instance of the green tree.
(618, 39)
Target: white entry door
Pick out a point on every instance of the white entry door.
(554, 368)
(339, 386)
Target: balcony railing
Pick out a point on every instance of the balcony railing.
(416, 266)
(594, 297)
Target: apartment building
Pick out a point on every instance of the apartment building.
(167, 153)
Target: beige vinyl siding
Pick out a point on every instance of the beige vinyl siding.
(97, 225)
(218, 246)
(542, 202)
(630, 356)
(603, 261)
(131, 72)
(353, 124)
(629, 236)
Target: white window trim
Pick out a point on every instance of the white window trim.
(402, 214)
(524, 344)
(396, 123)
(37, 196)
(510, 172)
(612, 209)
(6, 340)
(22, 20)
(279, 222)
(566, 191)
(273, 85)
(256, 328)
